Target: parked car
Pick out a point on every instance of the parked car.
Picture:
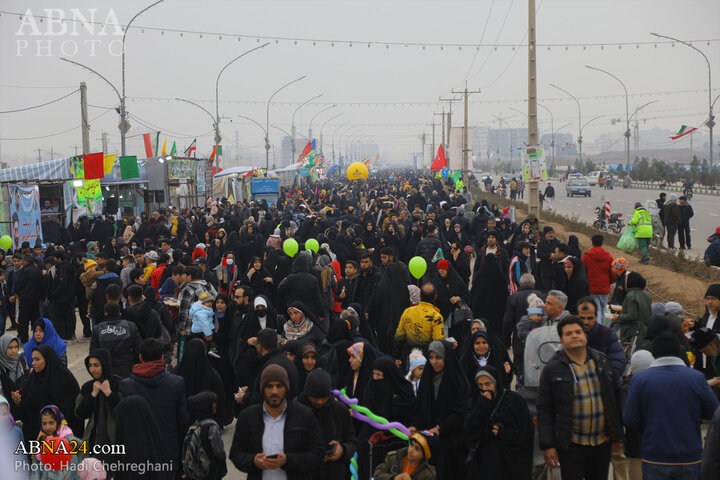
(578, 186)
(592, 177)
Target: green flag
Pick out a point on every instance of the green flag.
(129, 168)
(173, 150)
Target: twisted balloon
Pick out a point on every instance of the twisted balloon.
(354, 467)
(365, 415)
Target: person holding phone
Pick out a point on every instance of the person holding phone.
(277, 439)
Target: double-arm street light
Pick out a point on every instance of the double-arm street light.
(121, 96)
(627, 115)
(580, 127)
(333, 137)
(323, 126)
(711, 119)
(218, 138)
(312, 119)
(292, 129)
(267, 128)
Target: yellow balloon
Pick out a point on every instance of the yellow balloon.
(357, 171)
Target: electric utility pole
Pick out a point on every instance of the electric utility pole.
(466, 142)
(533, 184)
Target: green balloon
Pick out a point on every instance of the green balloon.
(312, 244)
(5, 242)
(290, 247)
(418, 267)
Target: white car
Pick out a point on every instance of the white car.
(592, 177)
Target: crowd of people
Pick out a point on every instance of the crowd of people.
(251, 314)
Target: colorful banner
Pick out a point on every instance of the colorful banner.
(534, 167)
(200, 177)
(4, 225)
(25, 214)
(181, 169)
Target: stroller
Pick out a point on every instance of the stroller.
(382, 443)
(540, 346)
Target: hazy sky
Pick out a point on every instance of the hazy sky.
(169, 65)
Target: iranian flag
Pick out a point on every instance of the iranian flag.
(191, 149)
(151, 143)
(684, 130)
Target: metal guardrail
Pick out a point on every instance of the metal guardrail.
(673, 188)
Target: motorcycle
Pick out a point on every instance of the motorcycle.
(614, 224)
(688, 192)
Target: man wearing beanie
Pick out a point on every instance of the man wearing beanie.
(578, 407)
(336, 424)
(668, 402)
(642, 221)
(277, 439)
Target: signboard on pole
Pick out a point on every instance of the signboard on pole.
(534, 167)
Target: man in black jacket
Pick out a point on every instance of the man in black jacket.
(109, 277)
(120, 338)
(546, 254)
(336, 425)
(516, 308)
(29, 291)
(293, 442)
(62, 294)
(165, 393)
(301, 286)
(686, 213)
(579, 416)
(369, 278)
(142, 314)
(268, 350)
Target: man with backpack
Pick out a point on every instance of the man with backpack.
(203, 453)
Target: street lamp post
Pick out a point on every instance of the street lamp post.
(588, 123)
(267, 129)
(627, 114)
(323, 126)
(340, 149)
(637, 127)
(579, 117)
(711, 119)
(310, 136)
(123, 112)
(552, 132)
(292, 129)
(120, 99)
(217, 98)
(333, 137)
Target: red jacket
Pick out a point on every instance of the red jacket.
(598, 263)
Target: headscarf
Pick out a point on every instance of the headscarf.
(294, 331)
(195, 368)
(393, 396)
(481, 360)
(51, 338)
(12, 366)
(59, 417)
(54, 385)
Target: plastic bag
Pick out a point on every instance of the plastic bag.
(628, 243)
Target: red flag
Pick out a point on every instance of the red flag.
(306, 151)
(93, 164)
(212, 155)
(440, 161)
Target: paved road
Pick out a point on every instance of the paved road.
(706, 208)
